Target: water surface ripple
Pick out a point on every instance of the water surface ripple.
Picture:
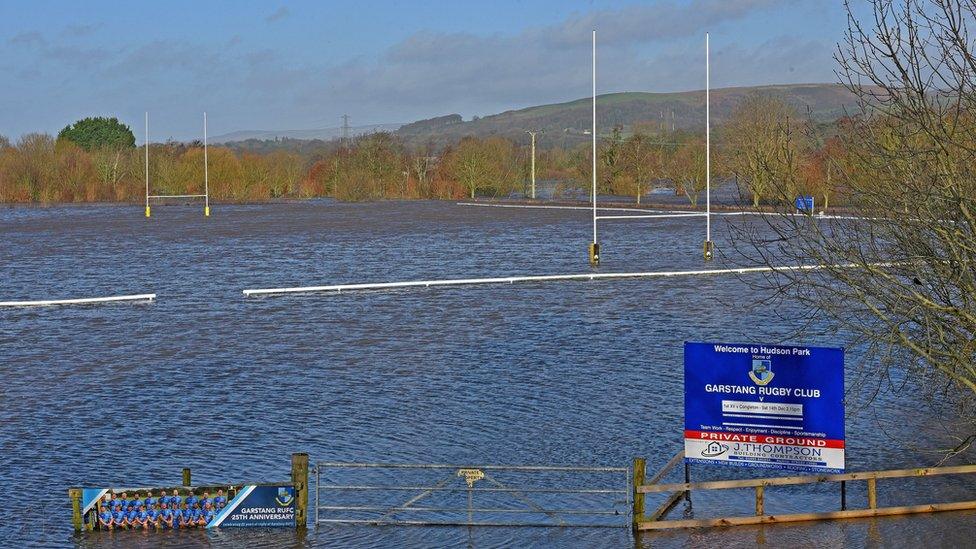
(541, 373)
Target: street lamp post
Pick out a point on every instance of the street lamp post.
(595, 245)
(709, 247)
(532, 133)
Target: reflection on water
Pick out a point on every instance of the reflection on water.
(566, 373)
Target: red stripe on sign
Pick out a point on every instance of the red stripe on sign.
(783, 440)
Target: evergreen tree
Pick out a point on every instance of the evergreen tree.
(99, 132)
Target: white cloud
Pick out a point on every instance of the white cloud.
(79, 30)
(652, 23)
(652, 48)
(27, 38)
(649, 48)
(278, 15)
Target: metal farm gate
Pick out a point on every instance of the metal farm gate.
(471, 495)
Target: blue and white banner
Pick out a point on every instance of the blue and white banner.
(259, 505)
(770, 406)
(90, 497)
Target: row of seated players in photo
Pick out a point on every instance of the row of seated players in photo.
(173, 511)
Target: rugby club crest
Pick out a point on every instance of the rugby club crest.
(285, 496)
(762, 371)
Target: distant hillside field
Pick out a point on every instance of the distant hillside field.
(565, 123)
(324, 134)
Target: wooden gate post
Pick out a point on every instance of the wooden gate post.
(640, 471)
(299, 477)
(872, 493)
(76, 519)
(760, 500)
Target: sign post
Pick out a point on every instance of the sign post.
(768, 406)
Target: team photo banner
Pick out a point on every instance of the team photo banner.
(768, 406)
(257, 505)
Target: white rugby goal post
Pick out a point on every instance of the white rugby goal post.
(708, 246)
(206, 175)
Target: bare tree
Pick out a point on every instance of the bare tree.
(759, 150)
(470, 164)
(818, 171)
(640, 159)
(422, 165)
(111, 164)
(610, 156)
(909, 180)
(583, 166)
(688, 168)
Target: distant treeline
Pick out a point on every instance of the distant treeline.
(763, 142)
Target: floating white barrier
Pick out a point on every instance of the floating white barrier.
(651, 216)
(338, 288)
(658, 213)
(84, 301)
(587, 208)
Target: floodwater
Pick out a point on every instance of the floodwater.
(565, 373)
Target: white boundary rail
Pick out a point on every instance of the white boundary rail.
(665, 214)
(84, 301)
(556, 207)
(338, 288)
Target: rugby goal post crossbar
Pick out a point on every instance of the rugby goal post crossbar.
(206, 175)
(648, 216)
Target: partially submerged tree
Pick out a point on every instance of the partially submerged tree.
(107, 140)
(33, 167)
(640, 160)
(899, 274)
(488, 164)
(758, 149)
(820, 171)
(688, 168)
(610, 157)
(422, 164)
(583, 167)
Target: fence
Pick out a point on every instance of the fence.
(524, 495)
(654, 520)
(471, 495)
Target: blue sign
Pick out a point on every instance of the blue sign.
(254, 505)
(770, 406)
(805, 203)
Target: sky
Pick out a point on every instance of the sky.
(267, 65)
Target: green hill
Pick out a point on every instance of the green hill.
(565, 123)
